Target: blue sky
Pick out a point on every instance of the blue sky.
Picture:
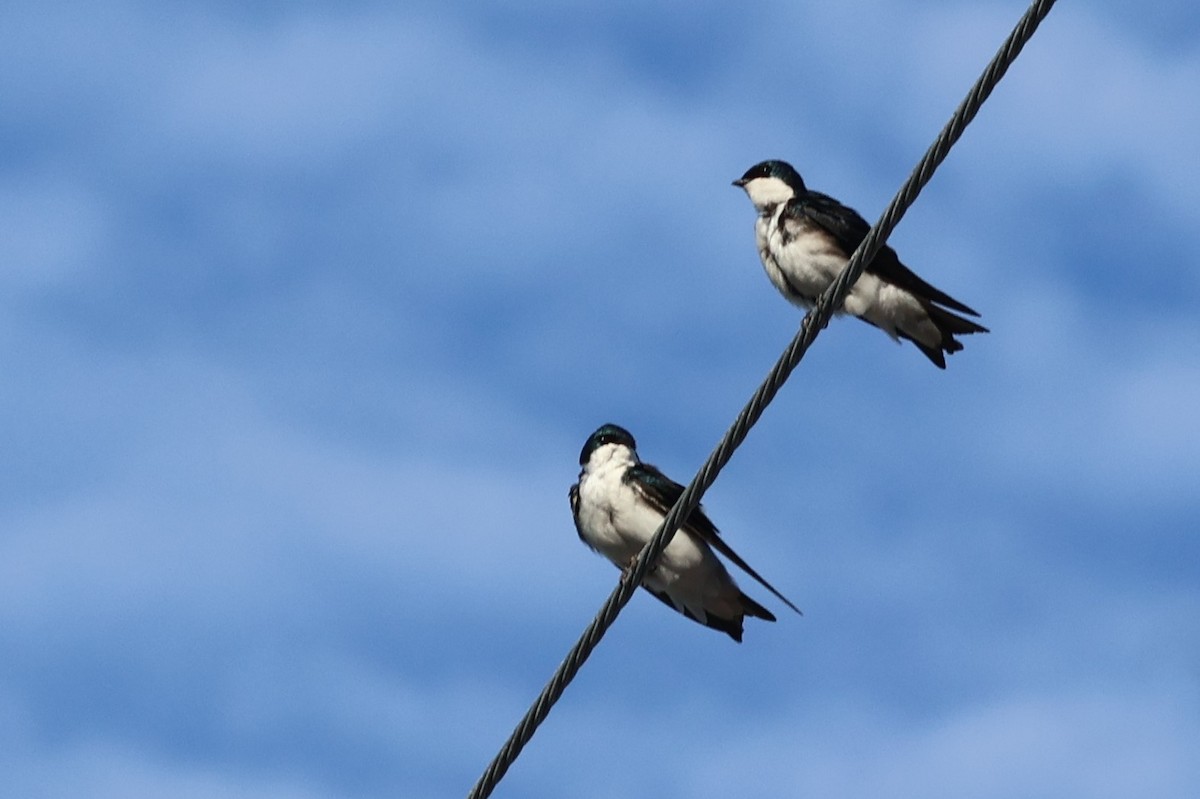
(307, 308)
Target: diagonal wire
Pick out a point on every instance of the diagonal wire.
(813, 323)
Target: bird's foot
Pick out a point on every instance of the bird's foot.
(627, 570)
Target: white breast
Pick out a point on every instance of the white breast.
(615, 521)
(805, 255)
(800, 258)
(611, 520)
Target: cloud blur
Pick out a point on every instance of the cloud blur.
(307, 311)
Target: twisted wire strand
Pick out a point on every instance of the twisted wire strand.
(815, 321)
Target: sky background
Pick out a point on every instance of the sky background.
(307, 308)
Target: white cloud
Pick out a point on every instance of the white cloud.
(104, 770)
(1098, 405)
(1094, 744)
(453, 247)
(50, 231)
(1087, 104)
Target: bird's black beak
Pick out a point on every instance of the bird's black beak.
(740, 182)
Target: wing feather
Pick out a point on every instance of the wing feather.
(848, 229)
(662, 492)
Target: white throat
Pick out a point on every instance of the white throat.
(767, 193)
(610, 456)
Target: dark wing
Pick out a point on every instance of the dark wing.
(573, 496)
(848, 229)
(842, 223)
(731, 627)
(662, 492)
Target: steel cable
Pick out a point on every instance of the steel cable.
(813, 323)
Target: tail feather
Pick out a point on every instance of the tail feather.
(953, 324)
(752, 608)
(730, 626)
(949, 325)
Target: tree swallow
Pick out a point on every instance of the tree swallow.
(805, 239)
(618, 504)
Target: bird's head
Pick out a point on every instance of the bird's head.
(608, 439)
(771, 182)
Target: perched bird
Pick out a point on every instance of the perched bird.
(618, 504)
(805, 239)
